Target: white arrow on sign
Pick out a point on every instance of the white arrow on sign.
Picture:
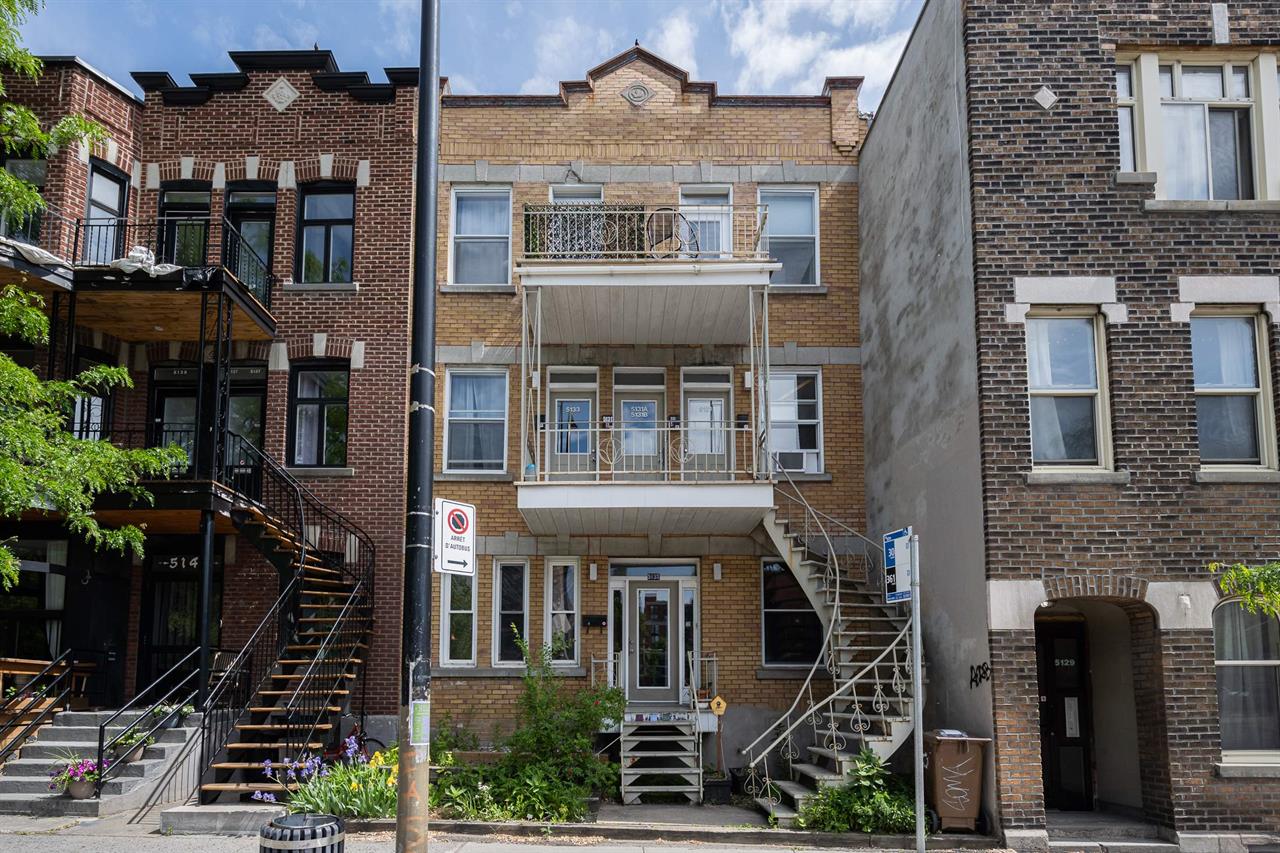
(455, 538)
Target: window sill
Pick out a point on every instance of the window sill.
(1228, 770)
(782, 673)
(816, 477)
(304, 473)
(1167, 205)
(1142, 179)
(473, 476)
(464, 671)
(322, 287)
(799, 289)
(1225, 475)
(477, 288)
(1077, 478)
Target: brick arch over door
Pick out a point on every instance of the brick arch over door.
(1121, 588)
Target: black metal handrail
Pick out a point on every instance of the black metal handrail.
(59, 678)
(185, 692)
(184, 239)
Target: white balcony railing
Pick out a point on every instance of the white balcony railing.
(708, 451)
(604, 232)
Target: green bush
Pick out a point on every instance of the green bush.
(874, 800)
(350, 788)
(450, 737)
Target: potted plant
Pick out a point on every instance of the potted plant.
(715, 788)
(130, 746)
(77, 777)
(172, 715)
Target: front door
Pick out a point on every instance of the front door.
(1066, 736)
(707, 445)
(174, 421)
(171, 612)
(654, 642)
(571, 441)
(640, 444)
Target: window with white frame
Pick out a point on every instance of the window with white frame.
(1066, 384)
(791, 233)
(481, 238)
(1207, 126)
(1125, 106)
(1228, 354)
(476, 420)
(562, 611)
(791, 633)
(795, 420)
(577, 194)
(458, 621)
(708, 213)
(1247, 654)
(510, 610)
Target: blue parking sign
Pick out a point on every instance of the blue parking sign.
(897, 566)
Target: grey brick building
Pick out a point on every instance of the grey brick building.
(1069, 289)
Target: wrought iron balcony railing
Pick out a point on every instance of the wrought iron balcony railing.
(183, 240)
(239, 467)
(693, 451)
(609, 232)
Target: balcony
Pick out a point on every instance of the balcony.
(135, 278)
(645, 274)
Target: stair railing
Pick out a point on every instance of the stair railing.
(280, 500)
(43, 695)
(342, 545)
(814, 537)
(182, 692)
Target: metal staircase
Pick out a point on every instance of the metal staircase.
(858, 692)
(661, 747)
(283, 695)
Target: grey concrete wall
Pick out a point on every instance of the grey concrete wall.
(920, 374)
(1115, 716)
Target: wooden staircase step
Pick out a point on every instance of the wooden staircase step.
(311, 647)
(304, 692)
(310, 569)
(350, 676)
(338, 607)
(327, 593)
(305, 661)
(248, 765)
(247, 787)
(276, 709)
(347, 585)
(279, 727)
(265, 745)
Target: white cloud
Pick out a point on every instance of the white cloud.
(514, 8)
(792, 46)
(401, 26)
(266, 37)
(563, 51)
(674, 40)
(460, 84)
(299, 35)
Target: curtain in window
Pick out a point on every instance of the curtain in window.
(55, 596)
(477, 411)
(482, 214)
(1248, 693)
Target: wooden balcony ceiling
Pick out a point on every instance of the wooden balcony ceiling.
(158, 315)
(155, 520)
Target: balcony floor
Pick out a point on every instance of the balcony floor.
(726, 508)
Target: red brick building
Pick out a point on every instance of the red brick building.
(1069, 296)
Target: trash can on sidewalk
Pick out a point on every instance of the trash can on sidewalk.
(303, 833)
(953, 779)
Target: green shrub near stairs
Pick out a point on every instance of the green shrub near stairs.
(873, 800)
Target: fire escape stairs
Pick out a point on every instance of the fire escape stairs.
(858, 694)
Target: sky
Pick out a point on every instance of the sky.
(497, 46)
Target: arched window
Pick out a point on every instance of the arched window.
(1247, 652)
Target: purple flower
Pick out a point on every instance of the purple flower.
(350, 747)
(266, 767)
(263, 796)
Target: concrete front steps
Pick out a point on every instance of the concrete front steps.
(825, 768)
(1104, 832)
(24, 781)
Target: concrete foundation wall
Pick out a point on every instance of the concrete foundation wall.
(920, 360)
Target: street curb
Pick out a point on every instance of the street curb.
(680, 832)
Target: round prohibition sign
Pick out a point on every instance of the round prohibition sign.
(457, 521)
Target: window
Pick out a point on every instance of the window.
(1206, 122)
(562, 610)
(795, 420)
(251, 213)
(458, 622)
(510, 608)
(476, 428)
(184, 223)
(26, 229)
(326, 227)
(319, 412)
(791, 233)
(102, 236)
(1247, 652)
(792, 631)
(481, 236)
(577, 194)
(1066, 391)
(709, 215)
(1125, 102)
(1228, 357)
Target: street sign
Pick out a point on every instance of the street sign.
(897, 566)
(455, 538)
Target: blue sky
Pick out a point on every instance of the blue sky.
(497, 46)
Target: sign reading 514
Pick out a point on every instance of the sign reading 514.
(455, 538)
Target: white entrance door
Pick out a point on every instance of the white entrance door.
(653, 644)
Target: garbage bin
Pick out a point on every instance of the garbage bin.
(303, 833)
(953, 779)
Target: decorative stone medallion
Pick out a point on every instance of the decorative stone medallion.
(637, 94)
(1045, 97)
(281, 94)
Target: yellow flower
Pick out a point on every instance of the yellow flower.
(355, 785)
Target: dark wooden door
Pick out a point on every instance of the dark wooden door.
(1066, 715)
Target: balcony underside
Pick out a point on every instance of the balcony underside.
(175, 510)
(667, 303)
(624, 509)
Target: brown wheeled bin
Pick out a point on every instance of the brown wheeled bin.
(953, 779)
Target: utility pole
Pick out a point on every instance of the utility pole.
(917, 690)
(415, 678)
